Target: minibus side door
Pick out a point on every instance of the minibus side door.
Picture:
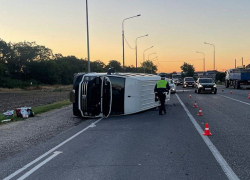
(106, 100)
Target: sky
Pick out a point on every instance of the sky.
(176, 29)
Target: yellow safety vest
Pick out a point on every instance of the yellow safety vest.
(161, 84)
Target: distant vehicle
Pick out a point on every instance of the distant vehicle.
(101, 95)
(162, 74)
(205, 85)
(188, 82)
(176, 77)
(237, 78)
(172, 85)
(178, 82)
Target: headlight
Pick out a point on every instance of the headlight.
(200, 86)
(215, 85)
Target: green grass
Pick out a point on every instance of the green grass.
(48, 107)
(39, 110)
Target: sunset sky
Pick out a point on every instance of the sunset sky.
(177, 29)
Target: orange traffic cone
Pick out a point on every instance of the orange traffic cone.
(231, 92)
(195, 105)
(248, 96)
(190, 96)
(200, 112)
(207, 132)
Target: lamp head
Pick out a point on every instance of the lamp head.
(205, 43)
(139, 15)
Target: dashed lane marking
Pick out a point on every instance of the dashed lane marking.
(182, 90)
(222, 162)
(235, 100)
(50, 151)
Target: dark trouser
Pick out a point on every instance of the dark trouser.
(162, 98)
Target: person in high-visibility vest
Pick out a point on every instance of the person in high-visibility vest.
(161, 88)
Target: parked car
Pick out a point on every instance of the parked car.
(188, 82)
(205, 85)
(172, 85)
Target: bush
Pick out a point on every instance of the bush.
(14, 83)
(10, 83)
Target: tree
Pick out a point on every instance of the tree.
(5, 51)
(187, 70)
(97, 66)
(130, 68)
(149, 67)
(3, 69)
(220, 76)
(114, 65)
(22, 54)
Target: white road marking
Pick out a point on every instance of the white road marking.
(50, 151)
(235, 100)
(182, 90)
(39, 165)
(222, 162)
(92, 125)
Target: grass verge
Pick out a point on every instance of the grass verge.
(48, 107)
(38, 110)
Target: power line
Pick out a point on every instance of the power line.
(183, 61)
(128, 43)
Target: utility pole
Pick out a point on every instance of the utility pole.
(235, 64)
(87, 21)
(242, 61)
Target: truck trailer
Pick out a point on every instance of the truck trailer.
(237, 78)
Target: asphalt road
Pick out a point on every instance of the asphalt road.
(146, 145)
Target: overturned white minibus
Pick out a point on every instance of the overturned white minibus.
(101, 95)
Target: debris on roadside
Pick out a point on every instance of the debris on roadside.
(6, 120)
(8, 113)
(24, 112)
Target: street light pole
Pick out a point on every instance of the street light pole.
(123, 37)
(154, 58)
(144, 55)
(214, 52)
(151, 54)
(136, 49)
(87, 21)
(203, 60)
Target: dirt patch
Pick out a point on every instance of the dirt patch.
(16, 98)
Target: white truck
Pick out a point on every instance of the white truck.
(238, 78)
